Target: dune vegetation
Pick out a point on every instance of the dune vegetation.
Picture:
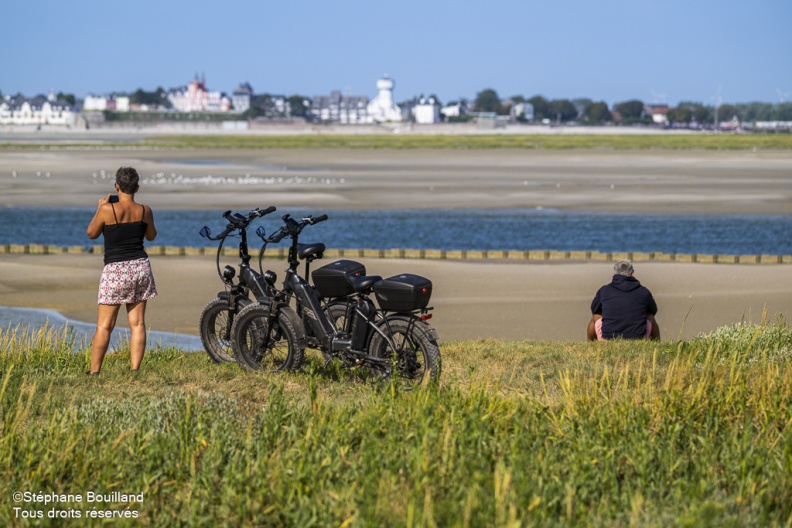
(693, 433)
(591, 141)
(488, 141)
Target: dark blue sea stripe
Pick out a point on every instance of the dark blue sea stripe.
(448, 230)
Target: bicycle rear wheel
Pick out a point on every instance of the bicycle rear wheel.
(411, 348)
(336, 312)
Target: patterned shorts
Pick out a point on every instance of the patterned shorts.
(127, 282)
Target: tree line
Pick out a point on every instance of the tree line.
(632, 111)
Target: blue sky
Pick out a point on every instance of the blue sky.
(656, 51)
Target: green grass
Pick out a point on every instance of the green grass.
(473, 142)
(550, 142)
(526, 433)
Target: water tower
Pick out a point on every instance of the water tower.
(382, 108)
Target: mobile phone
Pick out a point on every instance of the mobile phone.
(113, 198)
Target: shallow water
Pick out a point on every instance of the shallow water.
(23, 319)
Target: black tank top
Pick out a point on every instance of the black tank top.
(124, 241)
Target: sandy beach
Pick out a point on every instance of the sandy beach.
(472, 300)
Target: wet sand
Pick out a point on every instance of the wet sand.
(472, 300)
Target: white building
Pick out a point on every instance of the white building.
(99, 103)
(122, 104)
(337, 108)
(37, 111)
(426, 112)
(453, 109)
(658, 112)
(382, 109)
(94, 103)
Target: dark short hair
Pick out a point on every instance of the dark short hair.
(127, 179)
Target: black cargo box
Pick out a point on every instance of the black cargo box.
(331, 280)
(403, 293)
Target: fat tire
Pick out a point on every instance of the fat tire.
(257, 346)
(213, 324)
(418, 355)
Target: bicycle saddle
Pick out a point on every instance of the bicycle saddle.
(364, 283)
(310, 250)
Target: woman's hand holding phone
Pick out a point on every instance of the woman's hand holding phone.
(110, 198)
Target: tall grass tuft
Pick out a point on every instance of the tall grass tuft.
(45, 349)
(517, 434)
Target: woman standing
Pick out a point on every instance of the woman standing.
(126, 278)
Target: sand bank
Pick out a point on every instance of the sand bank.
(326, 179)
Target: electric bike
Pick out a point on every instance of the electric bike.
(272, 325)
(392, 340)
(218, 315)
(331, 282)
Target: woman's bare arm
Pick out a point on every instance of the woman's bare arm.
(98, 221)
(148, 217)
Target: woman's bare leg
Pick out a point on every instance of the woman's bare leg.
(105, 323)
(136, 312)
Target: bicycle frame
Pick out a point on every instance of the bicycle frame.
(361, 315)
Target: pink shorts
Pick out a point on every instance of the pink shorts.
(598, 329)
(127, 282)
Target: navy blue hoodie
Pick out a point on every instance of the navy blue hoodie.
(623, 304)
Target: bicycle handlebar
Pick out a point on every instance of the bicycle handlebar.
(265, 212)
(293, 228)
(240, 221)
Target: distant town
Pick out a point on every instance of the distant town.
(243, 108)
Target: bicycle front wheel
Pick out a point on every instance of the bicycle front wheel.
(265, 343)
(215, 324)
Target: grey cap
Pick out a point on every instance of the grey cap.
(624, 267)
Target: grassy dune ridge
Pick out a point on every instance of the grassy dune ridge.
(659, 141)
(512, 141)
(525, 433)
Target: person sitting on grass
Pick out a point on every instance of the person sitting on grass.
(623, 309)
